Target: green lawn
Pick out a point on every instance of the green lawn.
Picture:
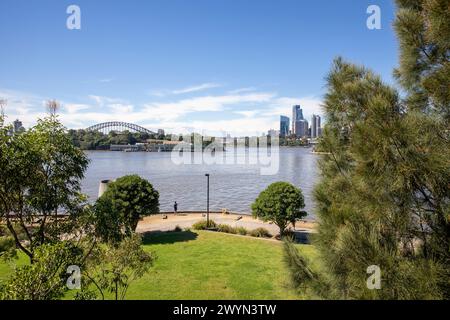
(7, 267)
(208, 265)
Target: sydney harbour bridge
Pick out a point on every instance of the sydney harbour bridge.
(118, 126)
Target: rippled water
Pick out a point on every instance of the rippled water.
(234, 187)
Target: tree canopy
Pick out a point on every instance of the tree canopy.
(41, 178)
(384, 196)
(41, 172)
(280, 203)
(125, 202)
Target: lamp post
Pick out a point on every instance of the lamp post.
(207, 200)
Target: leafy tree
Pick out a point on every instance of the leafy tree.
(120, 208)
(111, 269)
(423, 29)
(383, 198)
(46, 278)
(41, 175)
(109, 225)
(280, 203)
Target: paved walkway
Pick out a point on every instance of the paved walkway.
(157, 223)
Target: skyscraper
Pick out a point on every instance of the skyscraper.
(306, 130)
(284, 126)
(18, 127)
(301, 128)
(315, 126)
(297, 115)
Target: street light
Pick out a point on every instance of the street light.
(207, 200)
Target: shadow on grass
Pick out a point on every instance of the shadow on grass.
(302, 237)
(159, 237)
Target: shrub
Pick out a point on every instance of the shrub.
(226, 228)
(242, 231)
(201, 225)
(260, 233)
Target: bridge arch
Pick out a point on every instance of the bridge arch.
(118, 126)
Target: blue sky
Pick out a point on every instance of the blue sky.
(205, 65)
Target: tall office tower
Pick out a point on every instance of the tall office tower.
(306, 129)
(315, 126)
(17, 124)
(319, 126)
(297, 114)
(284, 126)
(301, 128)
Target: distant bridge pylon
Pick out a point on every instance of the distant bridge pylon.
(118, 126)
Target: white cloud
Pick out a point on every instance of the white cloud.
(235, 127)
(22, 105)
(201, 87)
(74, 108)
(246, 113)
(121, 108)
(97, 99)
(114, 105)
(174, 110)
(102, 100)
(158, 93)
(241, 90)
(191, 89)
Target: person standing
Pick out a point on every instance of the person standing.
(175, 207)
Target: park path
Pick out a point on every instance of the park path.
(186, 220)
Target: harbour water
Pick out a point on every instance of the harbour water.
(232, 186)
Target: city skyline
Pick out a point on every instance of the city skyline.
(311, 131)
(300, 126)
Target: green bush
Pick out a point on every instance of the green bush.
(119, 209)
(226, 228)
(201, 225)
(242, 231)
(260, 233)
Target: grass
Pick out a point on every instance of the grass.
(6, 268)
(209, 265)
